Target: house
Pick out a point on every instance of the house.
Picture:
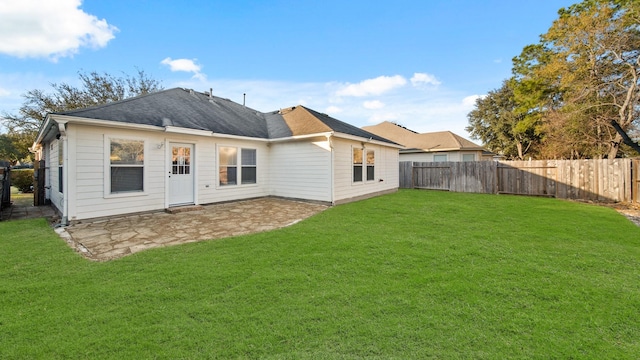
(433, 146)
(179, 147)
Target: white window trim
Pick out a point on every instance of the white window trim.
(107, 168)
(61, 178)
(238, 166)
(472, 154)
(446, 155)
(365, 170)
(364, 175)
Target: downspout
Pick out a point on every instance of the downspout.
(331, 170)
(65, 173)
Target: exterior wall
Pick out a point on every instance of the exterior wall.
(386, 171)
(312, 169)
(301, 170)
(89, 171)
(208, 188)
(451, 156)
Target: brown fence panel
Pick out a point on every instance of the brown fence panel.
(473, 176)
(596, 180)
(406, 175)
(635, 181)
(527, 178)
(433, 175)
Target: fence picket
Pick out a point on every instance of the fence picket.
(600, 180)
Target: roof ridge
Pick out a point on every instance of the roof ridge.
(100, 106)
(455, 138)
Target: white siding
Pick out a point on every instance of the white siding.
(301, 170)
(92, 170)
(305, 169)
(209, 190)
(386, 171)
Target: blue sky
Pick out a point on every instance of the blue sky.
(418, 63)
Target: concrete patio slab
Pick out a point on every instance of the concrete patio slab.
(108, 239)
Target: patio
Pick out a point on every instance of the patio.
(112, 238)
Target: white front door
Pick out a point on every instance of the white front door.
(181, 175)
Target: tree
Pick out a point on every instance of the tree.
(14, 146)
(95, 89)
(584, 73)
(589, 61)
(498, 122)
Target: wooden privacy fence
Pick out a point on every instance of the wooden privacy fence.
(614, 180)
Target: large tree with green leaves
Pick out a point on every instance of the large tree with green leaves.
(502, 128)
(94, 89)
(584, 74)
(593, 59)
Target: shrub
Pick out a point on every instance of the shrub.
(22, 179)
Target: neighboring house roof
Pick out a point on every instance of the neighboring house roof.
(429, 142)
(200, 111)
(302, 120)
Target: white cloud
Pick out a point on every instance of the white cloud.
(374, 104)
(186, 65)
(378, 118)
(470, 101)
(424, 78)
(4, 92)
(333, 110)
(51, 29)
(377, 86)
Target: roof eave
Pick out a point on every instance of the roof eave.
(367, 140)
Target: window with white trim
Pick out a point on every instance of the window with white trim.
(249, 169)
(440, 157)
(371, 165)
(232, 167)
(126, 158)
(60, 165)
(468, 157)
(357, 165)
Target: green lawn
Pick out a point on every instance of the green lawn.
(415, 274)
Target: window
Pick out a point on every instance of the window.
(248, 161)
(60, 164)
(440, 157)
(181, 160)
(357, 165)
(127, 165)
(371, 162)
(229, 166)
(468, 157)
(228, 162)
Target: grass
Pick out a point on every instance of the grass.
(415, 274)
(21, 199)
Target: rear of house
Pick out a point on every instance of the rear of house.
(178, 147)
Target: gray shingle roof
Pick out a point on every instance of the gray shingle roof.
(193, 110)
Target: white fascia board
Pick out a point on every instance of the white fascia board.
(181, 130)
(302, 137)
(238, 137)
(367, 140)
(44, 129)
(105, 123)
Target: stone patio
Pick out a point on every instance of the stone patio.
(116, 237)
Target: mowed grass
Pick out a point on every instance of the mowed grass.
(415, 274)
